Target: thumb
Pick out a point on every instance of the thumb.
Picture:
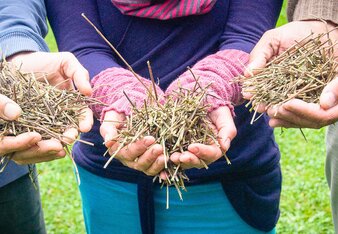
(73, 69)
(263, 52)
(111, 122)
(223, 121)
(9, 110)
(329, 96)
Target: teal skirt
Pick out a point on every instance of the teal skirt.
(111, 206)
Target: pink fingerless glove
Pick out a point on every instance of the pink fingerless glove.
(109, 85)
(218, 70)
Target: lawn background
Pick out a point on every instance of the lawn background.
(305, 204)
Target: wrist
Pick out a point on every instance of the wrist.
(321, 26)
(18, 56)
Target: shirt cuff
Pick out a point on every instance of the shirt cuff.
(15, 42)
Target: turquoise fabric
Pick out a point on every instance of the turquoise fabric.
(111, 206)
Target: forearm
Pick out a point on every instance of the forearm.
(75, 35)
(22, 26)
(111, 85)
(247, 22)
(239, 36)
(216, 72)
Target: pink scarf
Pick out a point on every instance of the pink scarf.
(164, 9)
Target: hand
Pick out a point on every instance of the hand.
(61, 70)
(295, 113)
(143, 155)
(299, 114)
(27, 147)
(226, 131)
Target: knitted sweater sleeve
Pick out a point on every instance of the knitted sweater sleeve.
(247, 21)
(313, 9)
(109, 80)
(67, 24)
(117, 87)
(22, 26)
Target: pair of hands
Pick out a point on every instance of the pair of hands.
(146, 156)
(28, 147)
(296, 113)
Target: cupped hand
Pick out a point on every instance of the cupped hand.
(299, 114)
(225, 128)
(273, 43)
(61, 70)
(142, 155)
(27, 147)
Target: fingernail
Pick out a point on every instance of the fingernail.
(249, 69)
(12, 111)
(194, 150)
(148, 141)
(226, 143)
(160, 160)
(328, 100)
(108, 137)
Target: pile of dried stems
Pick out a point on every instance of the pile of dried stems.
(301, 72)
(179, 122)
(45, 109)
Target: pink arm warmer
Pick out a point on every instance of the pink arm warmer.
(109, 85)
(218, 70)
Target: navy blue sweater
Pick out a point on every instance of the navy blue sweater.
(253, 181)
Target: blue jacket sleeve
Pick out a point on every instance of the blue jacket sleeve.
(247, 21)
(22, 26)
(90, 49)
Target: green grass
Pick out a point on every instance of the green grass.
(305, 197)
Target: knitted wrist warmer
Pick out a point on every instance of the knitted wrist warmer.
(109, 85)
(218, 70)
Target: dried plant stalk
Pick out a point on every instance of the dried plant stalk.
(300, 72)
(179, 122)
(45, 109)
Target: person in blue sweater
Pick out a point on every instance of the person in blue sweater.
(215, 39)
(22, 29)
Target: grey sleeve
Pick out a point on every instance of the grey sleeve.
(23, 26)
(313, 9)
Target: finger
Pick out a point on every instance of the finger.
(108, 130)
(274, 123)
(136, 149)
(208, 153)
(163, 175)
(86, 120)
(281, 115)
(260, 107)
(156, 167)
(329, 96)
(40, 149)
(149, 157)
(18, 143)
(70, 135)
(72, 69)
(223, 120)
(42, 158)
(9, 110)
(265, 50)
(312, 112)
(189, 160)
(296, 119)
(175, 157)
